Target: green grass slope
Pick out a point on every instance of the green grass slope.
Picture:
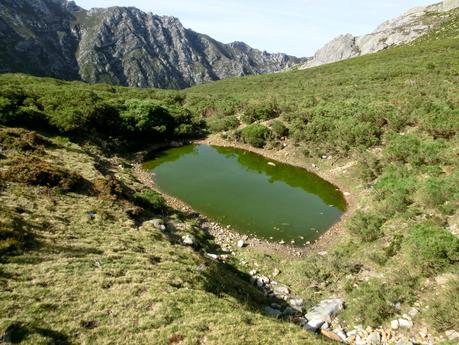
(395, 113)
(77, 269)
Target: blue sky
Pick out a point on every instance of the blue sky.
(297, 27)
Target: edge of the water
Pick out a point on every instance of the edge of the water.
(288, 156)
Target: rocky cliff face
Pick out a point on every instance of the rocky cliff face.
(403, 29)
(118, 45)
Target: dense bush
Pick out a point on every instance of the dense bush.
(433, 248)
(374, 302)
(255, 135)
(367, 225)
(151, 200)
(279, 129)
(223, 124)
(260, 111)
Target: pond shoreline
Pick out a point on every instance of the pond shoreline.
(224, 235)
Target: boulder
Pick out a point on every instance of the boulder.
(272, 312)
(188, 240)
(157, 224)
(403, 323)
(281, 291)
(374, 339)
(325, 311)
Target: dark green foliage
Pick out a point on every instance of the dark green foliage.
(444, 310)
(258, 111)
(78, 108)
(151, 200)
(279, 129)
(369, 167)
(367, 225)
(223, 124)
(373, 302)
(255, 135)
(433, 248)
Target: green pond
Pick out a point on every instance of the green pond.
(247, 192)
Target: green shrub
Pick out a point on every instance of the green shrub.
(260, 112)
(367, 225)
(444, 308)
(255, 135)
(373, 302)
(279, 129)
(369, 167)
(438, 191)
(433, 248)
(151, 200)
(223, 124)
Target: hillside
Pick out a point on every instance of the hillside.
(90, 254)
(120, 46)
(401, 30)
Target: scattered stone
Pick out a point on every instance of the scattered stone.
(91, 215)
(404, 341)
(325, 311)
(374, 339)
(452, 334)
(201, 268)
(188, 240)
(326, 325)
(262, 281)
(322, 253)
(153, 224)
(276, 272)
(272, 312)
(241, 244)
(347, 194)
(253, 272)
(413, 312)
(297, 304)
(352, 333)
(394, 325)
(403, 323)
(212, 256)
(330, 335)
(340, 333)
(281, 290)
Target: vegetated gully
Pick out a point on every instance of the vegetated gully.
(272, 202)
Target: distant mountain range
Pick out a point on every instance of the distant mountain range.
(121, 46)
(125, 46)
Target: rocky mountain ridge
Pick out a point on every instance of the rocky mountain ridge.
(121, 46)
(404, 29)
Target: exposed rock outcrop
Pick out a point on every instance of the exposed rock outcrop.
(121, 46)
(403, 29)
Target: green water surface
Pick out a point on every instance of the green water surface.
(239, 188)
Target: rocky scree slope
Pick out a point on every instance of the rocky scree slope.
(401, 30)
(121, 46)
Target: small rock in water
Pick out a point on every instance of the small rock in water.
(188, 240)
(271, 164)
